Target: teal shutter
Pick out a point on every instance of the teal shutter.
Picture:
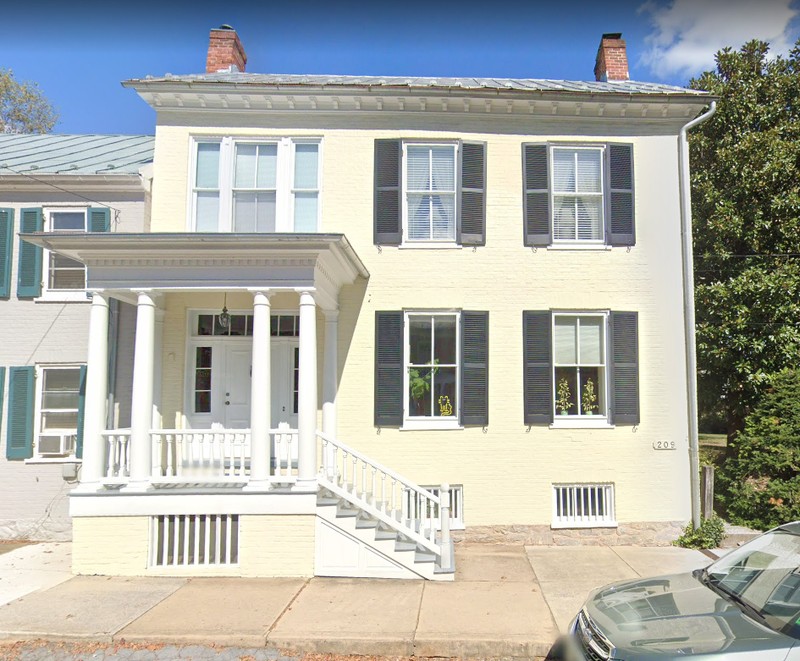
(99, 219)
(474, 368)
(29, 275)
(2, 390)
(537, 359)
(81, 404)
(536, 200)
(6, 248)
(620, 228)
(624, 368)
(19, 438)
(388, 369)
(388, 212)
(472, 194)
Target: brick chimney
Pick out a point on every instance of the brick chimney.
(225, 51)
(612, 59)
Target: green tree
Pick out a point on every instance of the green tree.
(745, 182)
(23, 107)
(759, 484)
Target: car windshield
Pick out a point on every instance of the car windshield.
(764, 577)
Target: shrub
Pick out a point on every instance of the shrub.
(708, 536)
(759, 484)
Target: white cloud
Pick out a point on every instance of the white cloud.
(687, 33)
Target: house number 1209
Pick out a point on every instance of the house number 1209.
(663, 445)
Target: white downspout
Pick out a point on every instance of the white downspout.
(688, 309)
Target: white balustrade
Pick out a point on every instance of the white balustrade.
(285, 448)
(117, 464)
(396, 501)
(200, 455)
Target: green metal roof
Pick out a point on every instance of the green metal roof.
(74, 154)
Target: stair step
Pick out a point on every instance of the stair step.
(365, 522)
(342, 511)
(327, 500)
(424, 556)
(383, 533)
(404, 545)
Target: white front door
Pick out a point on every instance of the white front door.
(235, 410)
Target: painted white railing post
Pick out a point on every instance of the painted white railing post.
(330, 369)
(142, 395)
(260, 403)
(445, 543)
(94, 415)
(307, 395)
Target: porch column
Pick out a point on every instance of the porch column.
(307, 395)
(142, 396)
(260, 391)
(94, 408)
(330, 369)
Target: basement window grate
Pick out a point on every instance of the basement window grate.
(192, 540)
(583, 506)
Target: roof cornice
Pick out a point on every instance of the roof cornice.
(35, 181)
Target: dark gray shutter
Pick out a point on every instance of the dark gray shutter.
(472, 203)
(29, 270)
(19, 437)
(99, 219)
(6, 248)
(624, 367)
(388, 369)
(474, 368)
(621, 230)
(537, 195)
(537, 334)
(388, 210)
(81, 406)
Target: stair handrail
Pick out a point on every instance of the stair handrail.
(385, 469)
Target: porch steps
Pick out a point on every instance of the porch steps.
(390, 553)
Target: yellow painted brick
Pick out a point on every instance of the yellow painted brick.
(110, 545)
(277, 545)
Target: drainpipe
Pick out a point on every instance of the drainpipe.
(688, 309)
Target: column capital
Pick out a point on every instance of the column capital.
(98, 297)
(330, 315)
(307, 297)
(261, 296)
(145, 297)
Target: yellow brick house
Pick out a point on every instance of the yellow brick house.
(377, 315)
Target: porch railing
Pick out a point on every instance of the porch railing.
(201, 456)
(387, 496)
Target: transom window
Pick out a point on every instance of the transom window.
(430, 193)
(579, 364)
(256, 185)
(239, 325)
(577, 194)
(58, 394)
(63, 273)
(432, 362)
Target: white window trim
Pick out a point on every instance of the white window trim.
(60, 295)
(37, 416)
(284, 179)
(430, 423)
(610, 521)
(578, 244)
(581, 421)
(429, 243)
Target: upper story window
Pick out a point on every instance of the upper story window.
(578, 195)
(429, 194)
(256, 185)
(63, 273)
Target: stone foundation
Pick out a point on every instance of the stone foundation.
(657, 533)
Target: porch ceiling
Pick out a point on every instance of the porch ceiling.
(193, 261)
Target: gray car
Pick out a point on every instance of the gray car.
(746, 605)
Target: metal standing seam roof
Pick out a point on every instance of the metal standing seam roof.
(74, 154)
(399, 82)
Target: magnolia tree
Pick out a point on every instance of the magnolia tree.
(745, 183)
(23, 107)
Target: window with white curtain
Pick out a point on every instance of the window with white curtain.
(430, 193)
(248, 185)
(577, 194)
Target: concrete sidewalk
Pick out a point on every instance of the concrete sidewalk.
(506, 601)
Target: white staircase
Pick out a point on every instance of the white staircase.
(372, 522)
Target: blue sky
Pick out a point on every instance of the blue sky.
(78, 56)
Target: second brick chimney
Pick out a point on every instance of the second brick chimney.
(612, 58)
(225, 51)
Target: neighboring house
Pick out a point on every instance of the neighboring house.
(53, 183)
(354, 286)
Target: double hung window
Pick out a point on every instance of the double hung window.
(58, 403)
(63, 273)
(249, 185)
(432, 362)
(577, 194)
(430, 193)
(579, 364)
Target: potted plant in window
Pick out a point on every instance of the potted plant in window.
(589, 398)
(419, 385)
(563, 397)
